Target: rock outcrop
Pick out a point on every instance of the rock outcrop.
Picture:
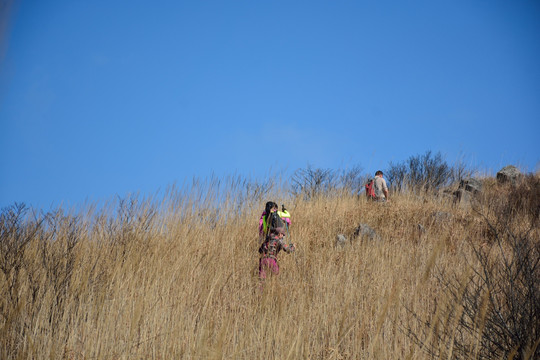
(509, 174)
(467, 189)
(471, 185)
(341, 240)
(362, 232)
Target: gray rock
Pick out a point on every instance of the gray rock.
(341, 240)
(462, 196)
(508, 174)
(471, 185)
(364, 231)
(421, 228)
(467, 189)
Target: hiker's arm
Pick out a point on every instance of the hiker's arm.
(288, 248)
(385, 189)
(261, 225)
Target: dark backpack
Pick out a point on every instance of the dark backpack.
(274, 222)
(370, 190)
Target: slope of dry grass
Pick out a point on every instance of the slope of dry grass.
(177, 278)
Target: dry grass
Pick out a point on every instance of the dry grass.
(177, 278)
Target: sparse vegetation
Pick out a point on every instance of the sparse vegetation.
(425, 173)
(311, 182)
(176, 277)
(491, 307)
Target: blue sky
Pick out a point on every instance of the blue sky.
(99, 98)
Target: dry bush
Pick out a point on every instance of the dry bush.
(312, 182)
(425, 173)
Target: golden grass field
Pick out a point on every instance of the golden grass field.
(177, 278)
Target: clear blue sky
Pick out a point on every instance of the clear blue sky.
(99, 98)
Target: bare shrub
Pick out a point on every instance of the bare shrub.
(459, 171)
(311, 182)
(424, 173)
(492, 310)
(397, 175)
(352, 180)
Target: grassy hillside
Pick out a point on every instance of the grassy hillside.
(177, 278)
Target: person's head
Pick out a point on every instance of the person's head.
(270, 207)
(379, 173)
